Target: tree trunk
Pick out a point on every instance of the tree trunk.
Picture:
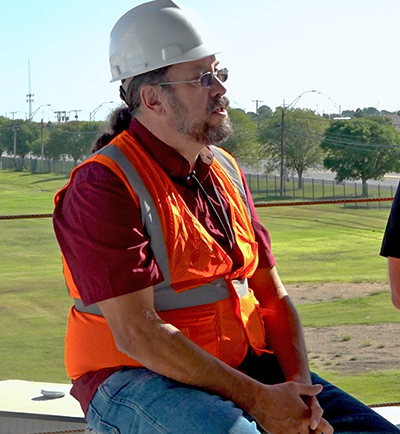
(364, 188)
(300, 178)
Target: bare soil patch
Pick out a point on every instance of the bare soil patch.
(346, 349)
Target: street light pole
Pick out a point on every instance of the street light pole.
(282, 165)
(33, 114)
(93, 113)
(336, 105)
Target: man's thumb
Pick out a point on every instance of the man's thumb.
(310, 389)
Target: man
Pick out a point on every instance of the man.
(161, 243)
(390, 249)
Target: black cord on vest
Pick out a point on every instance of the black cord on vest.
(226, 227)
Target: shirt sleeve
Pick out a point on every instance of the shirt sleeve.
(101, 235)
(390, 244)
(266, 258)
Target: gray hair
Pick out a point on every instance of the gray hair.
(130, 88)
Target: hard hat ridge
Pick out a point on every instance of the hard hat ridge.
(154, 35)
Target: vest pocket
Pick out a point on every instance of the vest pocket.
(197, 325)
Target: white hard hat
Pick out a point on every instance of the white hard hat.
(153, 35)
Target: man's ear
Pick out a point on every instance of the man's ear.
(150, 96)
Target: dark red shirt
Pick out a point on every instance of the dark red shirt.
(99, 228)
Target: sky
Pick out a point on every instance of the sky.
(275, 50)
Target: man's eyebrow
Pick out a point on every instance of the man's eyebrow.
(201, 68)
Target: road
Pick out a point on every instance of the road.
(389, 182)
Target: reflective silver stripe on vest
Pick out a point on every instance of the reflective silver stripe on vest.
(226, 163)
(165, 298)
(92, 308)
(215, 291)
(149, 213)
(208, 293)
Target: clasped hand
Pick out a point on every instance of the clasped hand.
(291, 408)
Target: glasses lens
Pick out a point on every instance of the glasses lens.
(206, 80)
(222, 75)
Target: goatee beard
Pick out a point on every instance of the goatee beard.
(202, 132)
(207, 134)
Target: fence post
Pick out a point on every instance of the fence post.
(355, 192)
(294, 193)
(284, 186)
(344, 191)
(312, 183)
(379, 195)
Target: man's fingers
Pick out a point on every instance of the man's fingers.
(309, 389)
(325, 427)
(316, 412)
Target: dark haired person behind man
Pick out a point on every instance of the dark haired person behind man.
(180, 322)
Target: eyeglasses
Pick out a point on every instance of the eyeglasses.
(205, 80)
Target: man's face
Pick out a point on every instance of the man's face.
(198, 113)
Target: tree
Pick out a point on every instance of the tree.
(264, 112)
(41, 140)
(73, 139)
(370, 111)
(4, 126)
(243, 142)
(17, 132)
(301, 132)
(363, 148)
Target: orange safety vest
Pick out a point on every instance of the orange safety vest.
(200, 295)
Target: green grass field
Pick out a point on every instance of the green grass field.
(323, 243)
(327, 243)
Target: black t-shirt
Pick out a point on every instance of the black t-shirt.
(391, 240)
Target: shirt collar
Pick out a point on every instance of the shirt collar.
(170, 160)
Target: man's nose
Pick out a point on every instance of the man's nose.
(217, 88)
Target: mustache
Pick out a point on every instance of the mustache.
(220, 102)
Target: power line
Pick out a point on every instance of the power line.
(345, 142)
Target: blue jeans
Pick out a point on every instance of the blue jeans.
(139, 401)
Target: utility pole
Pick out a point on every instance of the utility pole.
(61, 116)
(256, 101)
(41, 144)
(76, 113)
(282, 171)
(29, 97)
(15, 128)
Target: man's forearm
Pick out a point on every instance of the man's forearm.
(284, 335)
(162, 348)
